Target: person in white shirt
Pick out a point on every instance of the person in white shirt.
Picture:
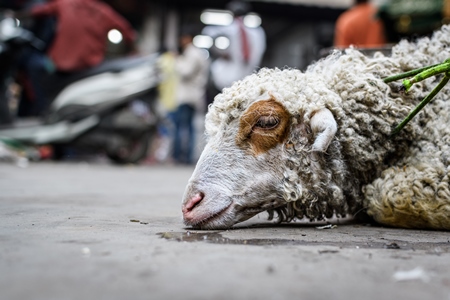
(246, 50)
(191, 67)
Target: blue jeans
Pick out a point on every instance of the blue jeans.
(184, 134)
(36, 67)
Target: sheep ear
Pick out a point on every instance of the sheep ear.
(324, 127)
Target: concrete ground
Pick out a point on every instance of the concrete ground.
(97, 231)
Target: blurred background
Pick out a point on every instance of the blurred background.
(296, 30)
(110, 108)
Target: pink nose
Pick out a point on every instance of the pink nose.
(192, 203)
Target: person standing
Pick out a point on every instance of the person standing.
(80, 40)
(360, 27)
(191, 66)
(245, 52)
(81, 31)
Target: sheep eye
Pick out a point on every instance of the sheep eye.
(267, 122)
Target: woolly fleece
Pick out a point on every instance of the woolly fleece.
(403, 181)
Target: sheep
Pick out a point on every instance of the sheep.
(318, 144)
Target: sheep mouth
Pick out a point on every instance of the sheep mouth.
(213, 220)
(226, 217)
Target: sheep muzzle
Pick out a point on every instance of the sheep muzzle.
(223, 190)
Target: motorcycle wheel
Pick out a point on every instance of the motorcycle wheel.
(135, 150)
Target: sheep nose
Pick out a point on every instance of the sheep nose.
(192, 203)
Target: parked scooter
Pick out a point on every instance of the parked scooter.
(110, 108)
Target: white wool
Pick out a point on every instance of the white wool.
(364, 166)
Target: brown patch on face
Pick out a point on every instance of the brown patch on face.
(263, 126)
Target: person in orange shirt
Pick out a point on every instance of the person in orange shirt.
(360, 27)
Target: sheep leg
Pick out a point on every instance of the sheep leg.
(411, 197)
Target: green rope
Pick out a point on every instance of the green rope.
(424, 102)
(433, 71)
(419, 75)
(407, 74)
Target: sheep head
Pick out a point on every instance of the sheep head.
(264, 154)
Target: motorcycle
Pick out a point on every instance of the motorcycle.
(109, 108)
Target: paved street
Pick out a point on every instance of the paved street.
(99, 231)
